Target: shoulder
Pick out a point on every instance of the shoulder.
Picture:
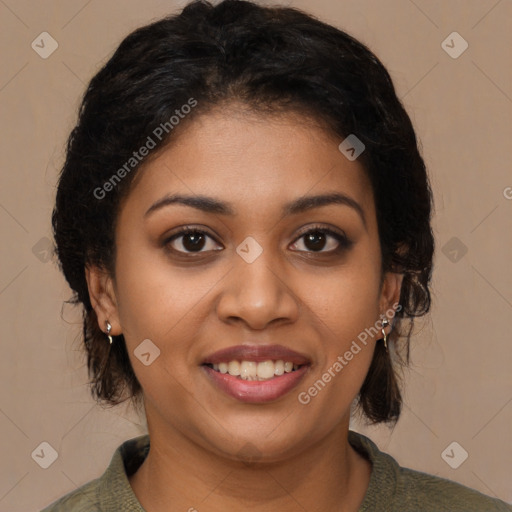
(83, 499)
(112, 491)
(415, 488)
(394, 488)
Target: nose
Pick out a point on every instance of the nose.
(257, 294)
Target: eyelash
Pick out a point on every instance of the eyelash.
(344, 242)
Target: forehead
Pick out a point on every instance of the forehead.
(253, 161)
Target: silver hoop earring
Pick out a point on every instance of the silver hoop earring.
(109, 328)
(385, 323)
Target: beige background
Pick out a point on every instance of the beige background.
(459, 385)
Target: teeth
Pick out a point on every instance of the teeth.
(234, 368)
(265, 369)
(248, 370)
(251, 370)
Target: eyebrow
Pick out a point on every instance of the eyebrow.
(213, 205)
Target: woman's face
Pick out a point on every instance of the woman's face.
(253, 278)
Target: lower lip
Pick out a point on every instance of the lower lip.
(256, 391)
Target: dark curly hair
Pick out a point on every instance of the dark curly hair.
(269, 59)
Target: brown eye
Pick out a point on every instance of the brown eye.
(316, 239)
(189, 240)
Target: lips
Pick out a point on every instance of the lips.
(257, 353)
(256, 391)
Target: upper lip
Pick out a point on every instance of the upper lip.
(256, 353)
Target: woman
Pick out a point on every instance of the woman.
(245, 217)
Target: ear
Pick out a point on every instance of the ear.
(390, 292)
(103, 298)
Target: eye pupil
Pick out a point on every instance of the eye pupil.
(196, 239)
(314, 237)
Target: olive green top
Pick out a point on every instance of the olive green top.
(391, 489)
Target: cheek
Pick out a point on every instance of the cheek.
(344, 307)
(146, 287)
(345, 353)
(344, 317)
(165, 303)
(167, 306)
(345, 301)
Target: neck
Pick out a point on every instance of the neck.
(178, 474)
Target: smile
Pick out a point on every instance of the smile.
(256, 389)
(253, 370)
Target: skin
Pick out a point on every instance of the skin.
(315, 301)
